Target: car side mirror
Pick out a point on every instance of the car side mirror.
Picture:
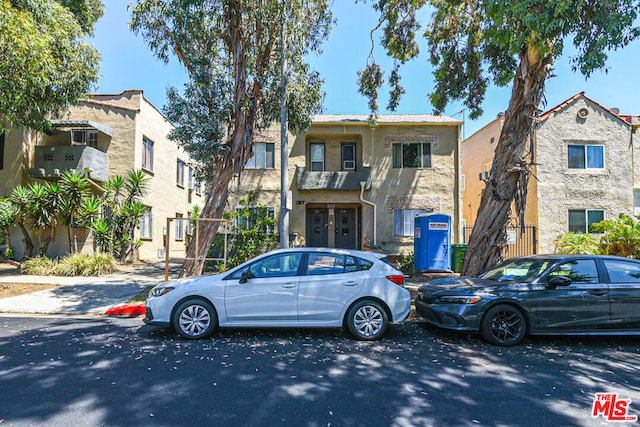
(246, 275)
(556, 281)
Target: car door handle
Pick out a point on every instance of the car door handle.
(350, 283)
(288, 285)
(599, 292)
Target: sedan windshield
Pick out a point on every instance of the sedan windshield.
(517, 270)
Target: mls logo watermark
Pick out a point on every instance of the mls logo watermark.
(611, 408)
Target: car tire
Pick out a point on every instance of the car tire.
(195, 319)
(367, 320)
(503, 325)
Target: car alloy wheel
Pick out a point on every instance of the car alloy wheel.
(195, 319)
(503, 325)
(367, 320)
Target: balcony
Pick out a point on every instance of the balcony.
(339, 181)
(52, 161)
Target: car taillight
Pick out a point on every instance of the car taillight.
(398, 279)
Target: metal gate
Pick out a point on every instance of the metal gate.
(520, 240)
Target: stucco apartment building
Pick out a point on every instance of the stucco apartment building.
(103, 136)
(354, 186)
(585, 169)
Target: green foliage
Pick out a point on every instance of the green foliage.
(9, 253)
(231, 53)
(251, 234)
(620, 236)
(47, 62)
(570, 243)
(473, 44)
(74, 265)
(406, 264)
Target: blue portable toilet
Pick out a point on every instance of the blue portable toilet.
(432, 242)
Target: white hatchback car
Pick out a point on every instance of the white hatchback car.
(298, 287)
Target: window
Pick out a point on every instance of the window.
(1, 150)
(180, 173)
(316, 155)
(146, 224)
(586, 156)
(348, 157)
(198, 187)
(579, 271)
(190, 178)
(412, 155)
(321, 263)
(85, 137)
(281, 265)
(403, 221)
(147, 154)
(581, 219)
(179, 227)
(247, 216)
(263, 156)
(623, 271)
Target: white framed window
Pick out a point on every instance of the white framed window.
(580, 220)
(180, 226)
(254, 212)
(85, 137)
(317, 156)
(585, 156)
(403, 220)
(146, 224)
(263, 156)
(180, 173)
(147, 154)
(411, 155)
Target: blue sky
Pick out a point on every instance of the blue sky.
(127, 63)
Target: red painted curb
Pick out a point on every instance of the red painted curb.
(127, 310)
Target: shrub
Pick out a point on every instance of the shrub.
(74, 265)
(570, 243)
(406, 264)
(9, 253)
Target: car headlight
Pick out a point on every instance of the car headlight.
(160, 290)
(461, 299)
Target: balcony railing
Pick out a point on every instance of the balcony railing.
(307, 180)
(52, 161)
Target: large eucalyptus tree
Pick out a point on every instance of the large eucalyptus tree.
(230, 49)
(475, 43)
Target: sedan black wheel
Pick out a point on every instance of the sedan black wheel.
(367, 320)
(503, 325)
(195, 319)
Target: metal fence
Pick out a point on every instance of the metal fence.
(520, 240)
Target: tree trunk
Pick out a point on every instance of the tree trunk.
(236, 152)
(510, 170)
(26, 242)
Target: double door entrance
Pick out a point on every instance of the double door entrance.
(333, 227)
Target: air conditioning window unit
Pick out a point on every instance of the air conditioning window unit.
(349, 165)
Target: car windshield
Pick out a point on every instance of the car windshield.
(517, 270)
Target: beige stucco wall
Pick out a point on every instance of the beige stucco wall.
(561, 188)
(132, 118)
(435, 188)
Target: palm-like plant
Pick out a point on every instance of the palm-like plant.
(21, 199)
(571, 243)
(46, 206)
(75, 189)
(620, 237)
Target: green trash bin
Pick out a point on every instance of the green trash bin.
(457, 256)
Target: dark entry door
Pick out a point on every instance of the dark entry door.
(317, 228)
(346, 228)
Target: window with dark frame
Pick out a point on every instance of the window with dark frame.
(585, 156)
(263, 156)
(411, 155)
(580, 220)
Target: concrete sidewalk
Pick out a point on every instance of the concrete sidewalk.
(78, 295)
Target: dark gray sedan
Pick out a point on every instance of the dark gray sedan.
(538, 295)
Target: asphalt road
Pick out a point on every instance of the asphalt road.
(62, 371)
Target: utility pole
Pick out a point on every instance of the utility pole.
(284, 144)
